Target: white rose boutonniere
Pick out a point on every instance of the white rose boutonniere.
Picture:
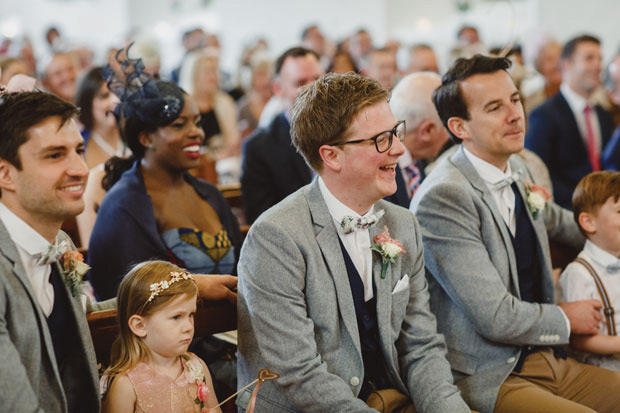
(388, 247)
(537, 197)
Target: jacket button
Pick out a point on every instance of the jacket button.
(354, 381)
(511, 360)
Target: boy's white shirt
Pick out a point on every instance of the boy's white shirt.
(577, 284)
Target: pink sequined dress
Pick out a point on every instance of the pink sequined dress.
(159, 393)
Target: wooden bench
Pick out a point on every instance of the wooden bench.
(211, 318)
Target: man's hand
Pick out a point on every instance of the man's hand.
(584, 316)
(217, 287)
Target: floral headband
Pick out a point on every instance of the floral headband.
(158, 288)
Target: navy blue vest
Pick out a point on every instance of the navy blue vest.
(529, 270)
(376, 376)
(59, 321)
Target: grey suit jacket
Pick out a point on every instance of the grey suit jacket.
(30, 379)
(473, 278)
(296, 314)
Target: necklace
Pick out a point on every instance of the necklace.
(106, 147)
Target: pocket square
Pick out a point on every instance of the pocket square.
(402, 284)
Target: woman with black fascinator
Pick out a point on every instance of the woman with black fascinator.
(154, 209)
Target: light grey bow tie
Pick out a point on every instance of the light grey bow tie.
(516, 176)
(351, 224)
(53, 253)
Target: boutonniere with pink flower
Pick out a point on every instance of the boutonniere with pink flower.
(388, 248)
(73, 268)
(537, 197)
(195, 374)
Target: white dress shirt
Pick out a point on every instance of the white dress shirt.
(504, 198)
(30, 245)
(356, 243)
(577, 283)
(577, 105)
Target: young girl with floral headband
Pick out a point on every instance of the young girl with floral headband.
(151, 369)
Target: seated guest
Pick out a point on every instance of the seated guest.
(342, 62)
(47, 360)
(60, 76)
(97, 103)
(251, 105)
(544, 54)
(594, 274)
(412, 102)
(218, 116)
(381, 65)
(486, 231)
(10, 67)
(272, 168)
(422, 59)
(568, 131)
(154, 208)
(344, 325)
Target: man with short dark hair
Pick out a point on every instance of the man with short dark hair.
(47, 361)
(381, 65)
(569, 131)
(486, 231)
(346, 327)
(272, 168)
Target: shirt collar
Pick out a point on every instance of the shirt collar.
(598, 254)
(21, 233)
(489, 173)
(576, 102)
(336, 208)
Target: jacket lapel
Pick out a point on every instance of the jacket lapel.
(9, 250)
(459, 159)
(327, 239)
(384, 294)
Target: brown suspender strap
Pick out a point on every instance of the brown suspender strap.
(608, 309)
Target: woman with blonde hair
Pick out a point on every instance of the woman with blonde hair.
(199, 77)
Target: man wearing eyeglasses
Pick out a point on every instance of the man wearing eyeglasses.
(347, 328)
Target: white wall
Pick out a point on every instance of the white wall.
(101, 23)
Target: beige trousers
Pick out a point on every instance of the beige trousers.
(550, 384)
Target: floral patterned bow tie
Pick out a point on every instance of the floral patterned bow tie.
(53, 253)
(350, 224)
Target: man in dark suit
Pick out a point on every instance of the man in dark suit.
(272, 168)
(568, 131)
(412, 102)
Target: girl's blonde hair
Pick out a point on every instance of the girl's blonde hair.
(134, 297)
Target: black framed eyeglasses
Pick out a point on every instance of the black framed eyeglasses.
(383, 140)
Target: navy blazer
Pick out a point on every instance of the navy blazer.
(126, 232)
(553, 135)
(611, 154)
(272, 168)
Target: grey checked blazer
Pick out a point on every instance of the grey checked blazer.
(30, 379)
(296, 314)
(473, 278)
